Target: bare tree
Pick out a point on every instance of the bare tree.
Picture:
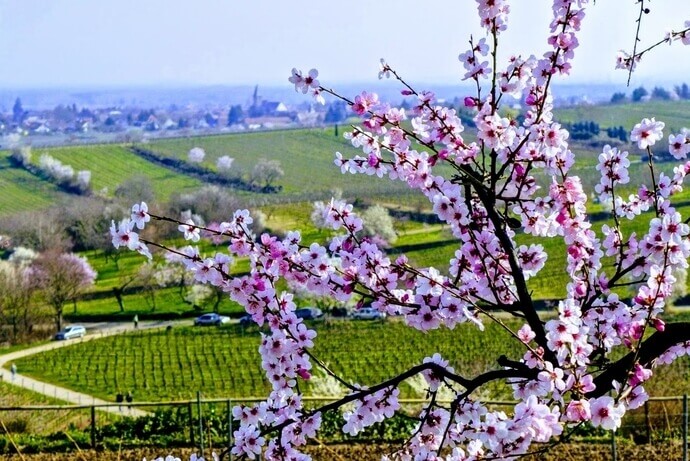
(265, 172)
(17, 288)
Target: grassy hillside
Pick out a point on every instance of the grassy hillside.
(21, 191)
(673, 113)
(112, 164)
(37, 422)
(224, 362)
(306, 157)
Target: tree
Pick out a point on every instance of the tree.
(683, 91)
(661, 93)
(17, 289)
(377, 223)
(196, 155)
(235, 115)
(224, 165)
(336, 112)
(209, 202)
(586, 365)
(18, 113)
(61, 277)
(618, 97)
(265, 172)
(137, 187)
(639, 93)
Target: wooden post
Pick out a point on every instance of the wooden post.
(201, 423)
(229, 411)
(93, 427)
(614, 450)
(685, 427)
(647, 423)
(190, 412)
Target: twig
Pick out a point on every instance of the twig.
(81, 453)
(9, 436)
(637, 39)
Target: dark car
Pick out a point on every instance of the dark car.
(309, 313)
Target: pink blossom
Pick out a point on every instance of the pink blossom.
(647, 132)
(606, 413)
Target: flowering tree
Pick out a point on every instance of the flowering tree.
(224, 164)
(61, 277)
(196, 155)
(564, 378)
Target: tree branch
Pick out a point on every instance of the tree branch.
(650, 349)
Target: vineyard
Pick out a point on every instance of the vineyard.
(36, 422)
(306, 156)
(224, 362)
(112, 164)
(21, 191)
(174, 364)
(673, 113)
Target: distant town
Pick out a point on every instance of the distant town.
(135, 121)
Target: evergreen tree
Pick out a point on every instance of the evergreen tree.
(18, 111)
(639, 93)
(235, 115)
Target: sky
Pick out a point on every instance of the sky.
(106, 43)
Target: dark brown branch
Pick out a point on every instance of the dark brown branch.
(525, 299)
(650, 349)
(470, 385)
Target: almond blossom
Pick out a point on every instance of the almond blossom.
(495, 192)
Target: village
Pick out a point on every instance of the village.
(72, 124)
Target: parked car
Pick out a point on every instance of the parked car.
(246, 320)
(368, 313)
(309, 313)
(211, 319)
(70, 332)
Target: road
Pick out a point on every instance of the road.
(94, 331)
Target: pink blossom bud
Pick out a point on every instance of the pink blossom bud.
(578, 410)
(304, 374)
(580, 288)
(406, 92)
(659, 324)
(470, 102)
(531, 100)
(636, 331)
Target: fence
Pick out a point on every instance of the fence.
(207, 424)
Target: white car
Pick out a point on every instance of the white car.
(211, 319)
(70, 332)
(368, 313)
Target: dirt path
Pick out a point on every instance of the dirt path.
(77, 398)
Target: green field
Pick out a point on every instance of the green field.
(33, 421)
(224, 362)
(673, 113)
(306, 156)
(21, 191)
(112, 164)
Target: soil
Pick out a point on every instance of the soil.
(665, 451)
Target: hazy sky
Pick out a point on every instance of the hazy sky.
(150, 42)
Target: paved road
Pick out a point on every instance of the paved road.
(94, 331)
